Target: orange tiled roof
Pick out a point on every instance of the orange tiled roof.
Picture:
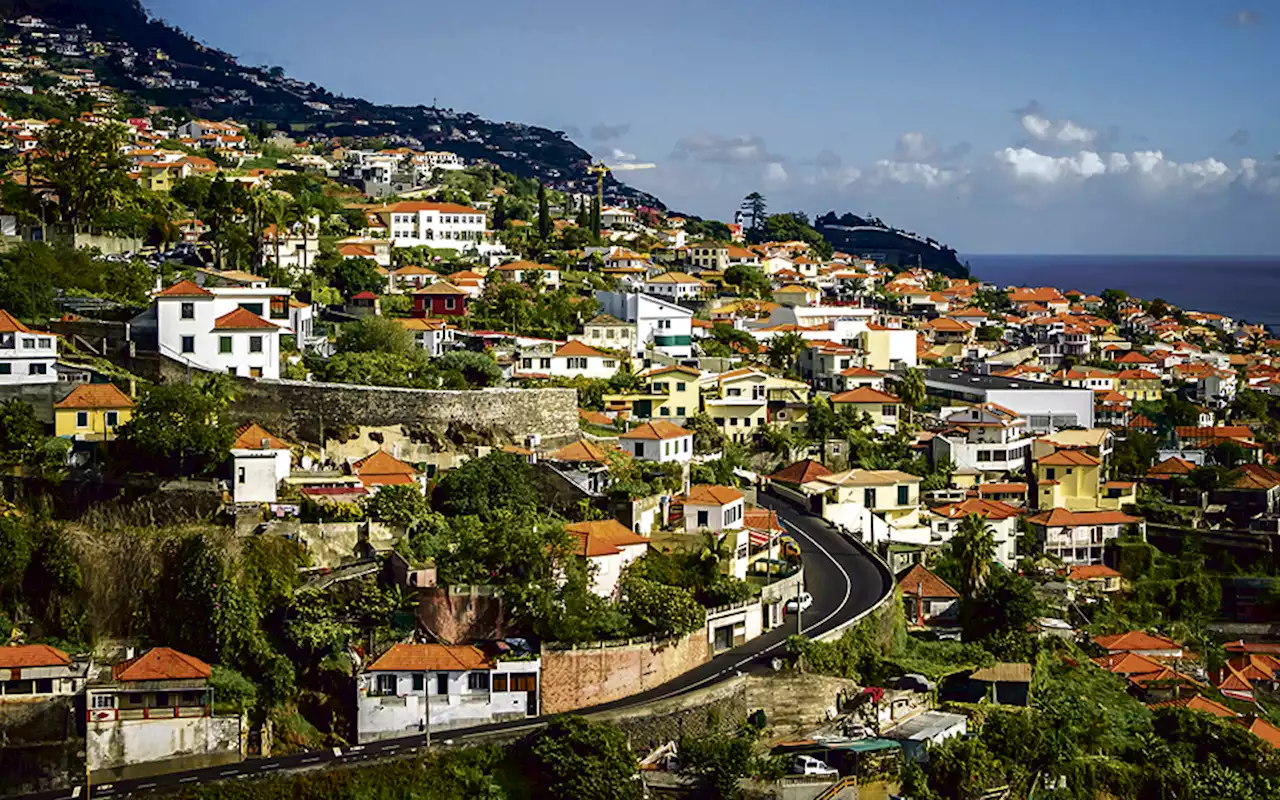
(575, 347)
(1126, 663)
(1062, 518)
(581, 451)
(380, 468)
(1069, 458)
(95, 395)
(800, 472)
(1085, 572)
(161, 664)
(242, 319)
(865, 394)
(185, 289)
(431, 658)
(32, 655)
(10, 324)
(710, 495)
(251, 437)
(1197, 703)
(602, 537)
(1136, 640)
(656, 430)
(920, 582)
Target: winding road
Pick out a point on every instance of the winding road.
(846, 582)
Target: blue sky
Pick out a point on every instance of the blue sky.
(993, 125)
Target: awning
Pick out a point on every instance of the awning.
(758, 538)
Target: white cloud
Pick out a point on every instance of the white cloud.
(774, 175)
(1026, 164)
(621, 155)
(1149, 169)
(1064, 132)
(716, 149)
(913, 146)
(889, 171)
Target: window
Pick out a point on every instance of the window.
(610, 363)
(255, 344)
(6, 340)
(680, 411)
(38, 369)
(984, 455)
(639, 449)
(162, 700)
(442, 683)
(733, 422)
(449, 303)
(869, 498)
(577, 363)
(1049, 474)
(500, 682)
(904, 495)
(889, 411)
(253, 308)
(666, 448)
(188, 311)
(28, 344)
(188, 344)
(112, 418)
(746, 422)
(478, 681)
(255, 372)
(704, 519)
(240, 475)
(387, 684)
(680, 387)
(419, 681)
(544, 363)
(662, 411)
(224, 344)
(104, 701)
(82, 419)
(44, 685)
(6, 368)
(45, 344)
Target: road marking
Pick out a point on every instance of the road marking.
(229, 772)
(270, 766)
(309, 760)
(76, 791)
(186, 780)
(147, 786)
(848, 582)
(106, 787)
(357, 748)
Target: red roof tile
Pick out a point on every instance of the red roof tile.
(602, 537)
(95, 395)
(709, 495)
(32, 655)
(161, 664)
(241, 319)
(1135, 640)
(800, 472)
(185, 289)
(431, 658)
(920, 582)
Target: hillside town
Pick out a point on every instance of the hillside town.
(323, 449)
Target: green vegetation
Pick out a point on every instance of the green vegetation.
(178, 430)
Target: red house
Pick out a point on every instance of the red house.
(440, 299)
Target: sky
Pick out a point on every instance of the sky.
(996, 126)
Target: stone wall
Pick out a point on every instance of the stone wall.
(721, 707)
(300, 409)
(588, 675)
(40, 397)
(40, 748)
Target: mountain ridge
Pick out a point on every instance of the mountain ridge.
(212, 82)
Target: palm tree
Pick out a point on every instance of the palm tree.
(779, 439)
(974, 546)
(785, 349)
(911, 390)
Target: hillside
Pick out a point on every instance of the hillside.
(853, 234)
(161, 65)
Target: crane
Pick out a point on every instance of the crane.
(600, 169)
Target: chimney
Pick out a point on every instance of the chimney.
(266, 443)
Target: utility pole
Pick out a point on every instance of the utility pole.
(799, 611)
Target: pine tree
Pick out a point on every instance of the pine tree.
(500, 214)
(544, 214)
(753, 205)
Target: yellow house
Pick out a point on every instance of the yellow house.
(886, 348)
(673, 391)
(796, 294)
(92, 412)
(738, 402)
(1069, 479)
(1139, 384)
(884, 409)
(889, 493)
(156, 176)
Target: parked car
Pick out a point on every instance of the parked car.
(808, 765)
(801, 604)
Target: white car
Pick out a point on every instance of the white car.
(808, 765)
(802, 603)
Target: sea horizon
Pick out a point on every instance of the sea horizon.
(1241, 287)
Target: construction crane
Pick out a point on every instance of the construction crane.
(600, 169)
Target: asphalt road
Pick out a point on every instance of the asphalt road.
(843, 578)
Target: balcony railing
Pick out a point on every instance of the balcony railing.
(167, 712)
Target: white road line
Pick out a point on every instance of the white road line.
(147, 786)
(848, 582)
(270, 766)
(187, 780)
(229, 772)
(309, 760)
(76, 791)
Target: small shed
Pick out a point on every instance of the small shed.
(1007, 683)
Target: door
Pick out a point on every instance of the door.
(527, 682)
(724, 637)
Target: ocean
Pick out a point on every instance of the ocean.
(1241, 287)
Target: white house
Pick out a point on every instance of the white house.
(523, 272)
(569, 360)
(35, 672)
(614, 217)
(720, 510)
(676, 286)
(432, 335)
(27, 357)
(987, 438)
(1002, 518)
(223, 328)
(157, 707)
(660, 442)
(665, 326)
(259, 461)
(440, 225)
(1079, 537)
(416, 688)
(609, 547)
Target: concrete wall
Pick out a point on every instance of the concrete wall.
(40, 748)
(588, 675)
(298, 409)
(115, 745)
(40, 397)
